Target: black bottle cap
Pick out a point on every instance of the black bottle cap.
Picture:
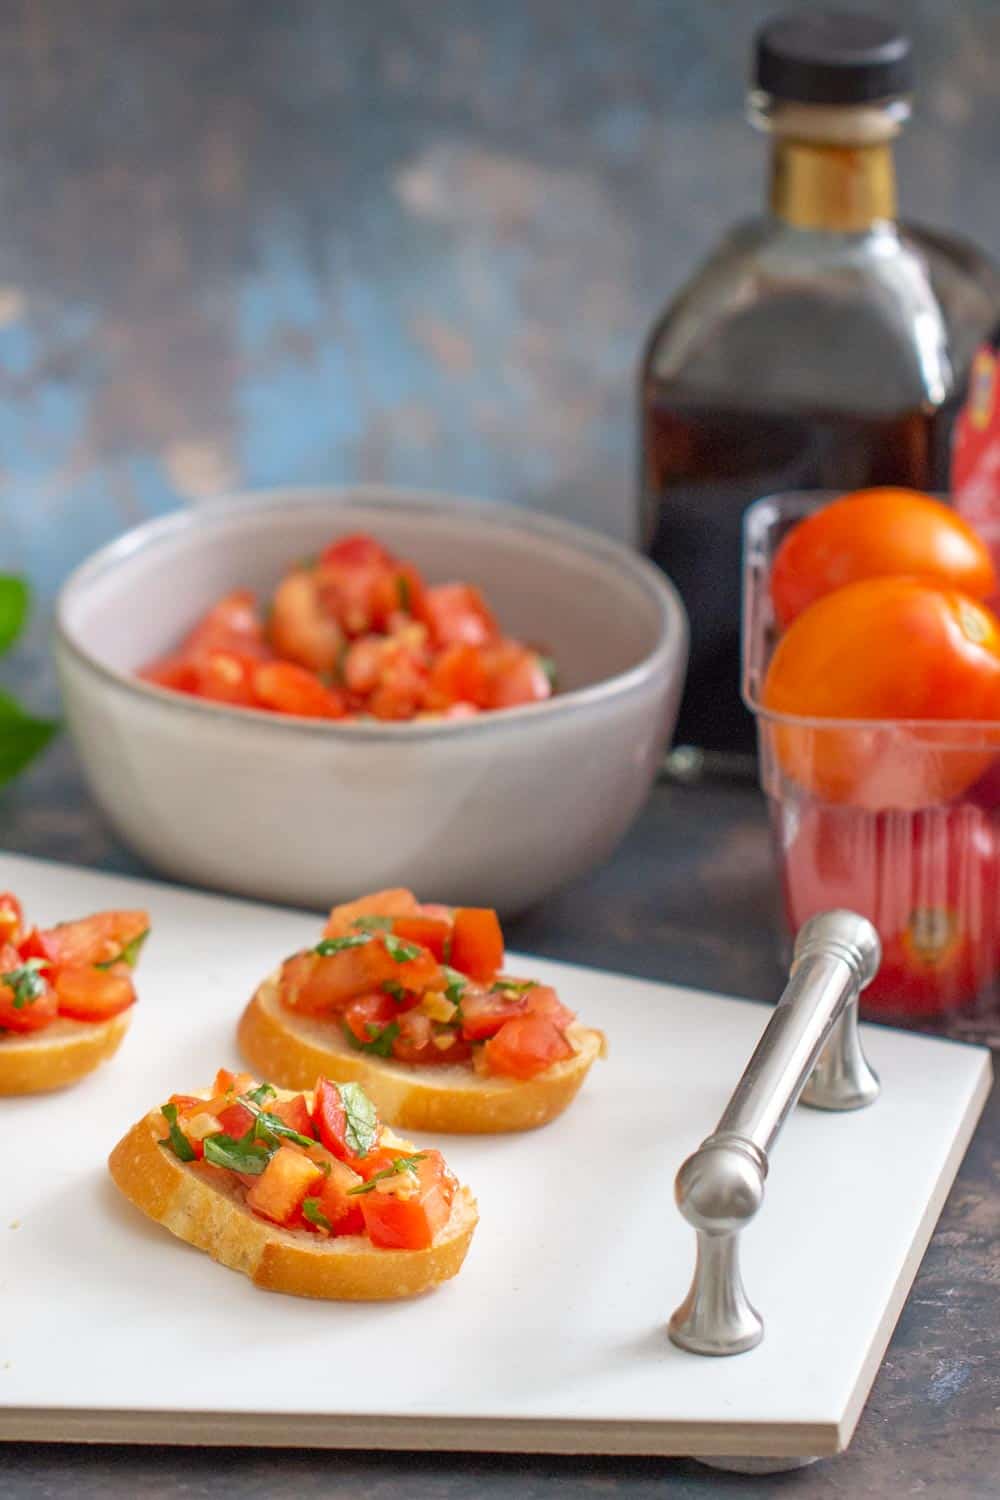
(833, 57)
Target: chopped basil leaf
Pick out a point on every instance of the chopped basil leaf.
(403, 589)
(373, 924)
(330, 946)
(26, 981)
(262, 1093)
(401, 1164)
(550, 669)
(403, 953)
(129, 953)
(380, 1039)
(456, 984)
(361, 1122)
(177, 1140)
(312, 1211)
(513, 986)
(341, 661)
(243, 1155)
(268, 1127)
(394, 991)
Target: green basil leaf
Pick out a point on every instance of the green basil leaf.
(373, 924)
(400, 1164)
(270, 1128)
(513, 986)
(330, 946)
(394, 991)
(380, 1040)
(177, 1140)
(242, 1155)
(403, 590)
(262, 1093)
(456, 984)
(21, 738)
(129, 954)
(403, 953)
(312, 1211)
(26, 981)
(14, 602)
(550, 669)
(361, 1124)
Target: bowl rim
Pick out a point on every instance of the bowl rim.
(671, 641)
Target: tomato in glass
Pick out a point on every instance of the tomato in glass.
(929, 882)
(885, 649)
(287, 688)
(877, 533)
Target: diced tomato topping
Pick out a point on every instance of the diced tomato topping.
(458, 675)
(11, 919)
(457, 615)
(317, 985)
(354, 551)
(336, 1204)
(235, 1120)
(86, 993)
(392, 903)
(287, 688)
(516, 676)
(330, 1120)
(187, 1104)
(525, 1046)
(432, 933)
(91, 940)
(227, 1082)
(289, 1178)
(476, 943)
(417, 1042)
(366, 1017)
(542, 1000)
(27, 1011)
(411, 1222)
(292, 1112)
(176, 672)
(483, 1013)
(398, 589)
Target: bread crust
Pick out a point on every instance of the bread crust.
(295, 1050)
(199, 1206)
(64, 1052)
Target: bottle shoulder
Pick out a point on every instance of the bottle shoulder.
(796, 312)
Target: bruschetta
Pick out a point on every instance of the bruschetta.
(413, 1002)
(66, 995)
(305, 1193)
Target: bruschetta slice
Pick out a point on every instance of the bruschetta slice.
(413, 1003)
(304, 1193)
(66, 995)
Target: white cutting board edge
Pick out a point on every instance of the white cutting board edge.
(820, 1432)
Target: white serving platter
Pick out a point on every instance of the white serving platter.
(553, 1337)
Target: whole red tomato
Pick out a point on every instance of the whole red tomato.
(889, 654)
(874, 534)
(928, 880)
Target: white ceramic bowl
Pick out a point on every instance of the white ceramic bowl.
(493, 811)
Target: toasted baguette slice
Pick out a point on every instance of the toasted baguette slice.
(198, 1205)
(61, 1054)
(295, 1050)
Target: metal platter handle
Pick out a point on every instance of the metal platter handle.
(810, 1049)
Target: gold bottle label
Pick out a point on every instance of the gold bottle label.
(838, 188)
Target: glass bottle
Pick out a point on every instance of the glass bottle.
(823, 345)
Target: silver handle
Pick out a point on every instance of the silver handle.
(811, 1049)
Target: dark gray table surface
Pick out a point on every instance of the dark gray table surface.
(316, 241)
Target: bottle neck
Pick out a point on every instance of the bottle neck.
(843, 189)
